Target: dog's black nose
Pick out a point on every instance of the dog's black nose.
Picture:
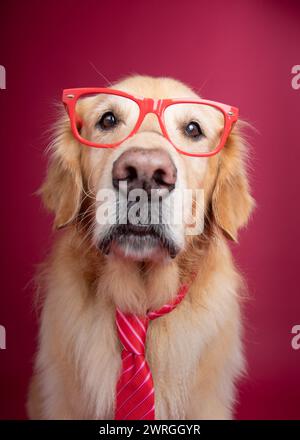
(145, 169)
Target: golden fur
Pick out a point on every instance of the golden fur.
(195, 352)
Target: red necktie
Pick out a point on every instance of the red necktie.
(135, 390)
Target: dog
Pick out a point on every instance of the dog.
(195, 352)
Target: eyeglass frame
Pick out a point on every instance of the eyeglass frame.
(146, 106)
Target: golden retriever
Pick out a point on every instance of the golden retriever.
(195, 352)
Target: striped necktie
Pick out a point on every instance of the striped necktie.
(135, 389)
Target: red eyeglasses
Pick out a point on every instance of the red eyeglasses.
(104, 118)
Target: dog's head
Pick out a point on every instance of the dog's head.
(126, 197)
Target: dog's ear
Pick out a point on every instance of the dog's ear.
(62, 188)
(231, 199)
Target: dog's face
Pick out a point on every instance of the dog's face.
(141, 183)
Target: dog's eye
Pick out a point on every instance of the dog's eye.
(193, 130)
(107, 121)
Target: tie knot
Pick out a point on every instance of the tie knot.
(132, 332)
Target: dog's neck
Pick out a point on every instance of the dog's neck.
(137, 287)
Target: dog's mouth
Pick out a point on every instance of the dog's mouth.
(138, 240)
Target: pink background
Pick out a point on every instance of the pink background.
(238, 52)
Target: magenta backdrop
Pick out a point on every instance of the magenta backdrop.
(238, 52)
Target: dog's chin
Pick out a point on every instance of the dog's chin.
(135, 248)
(138, 244)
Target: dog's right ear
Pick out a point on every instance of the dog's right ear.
(62, 188)
(232, 202)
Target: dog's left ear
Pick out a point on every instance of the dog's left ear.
(232, 202)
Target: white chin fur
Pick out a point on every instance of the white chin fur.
(150, 253)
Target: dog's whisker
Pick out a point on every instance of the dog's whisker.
(100, 74)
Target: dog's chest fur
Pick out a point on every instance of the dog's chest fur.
(80, 355)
